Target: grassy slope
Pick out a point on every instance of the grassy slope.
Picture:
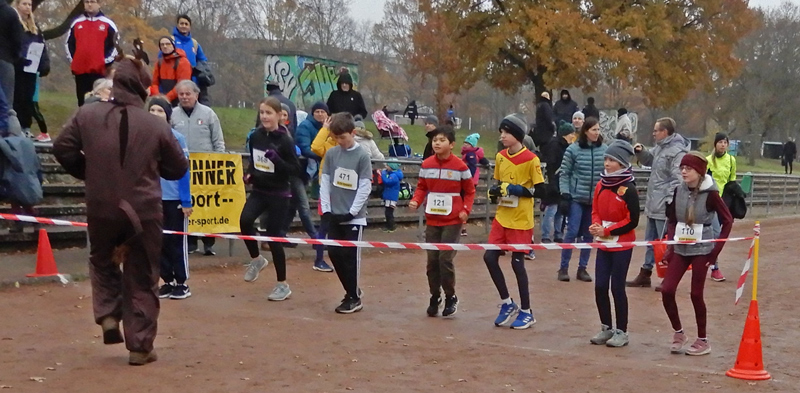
(57, 107)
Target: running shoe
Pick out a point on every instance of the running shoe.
(450, 306)
(620, 339)
(507, 313)
(256, 265)
(678, 341)
(165, 290)
(280, 292)
(524, 320)
(43, 138)
(700, 347)
(181, 291)
(322, 266)
(601, 338)
(717, 276)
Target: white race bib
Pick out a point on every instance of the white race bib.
(509, 201)
(685, 232)
(439, 204)
(607, 239)
(345, 178)
(261, 162)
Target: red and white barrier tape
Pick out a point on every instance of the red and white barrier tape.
(394, 245)
(746, 269)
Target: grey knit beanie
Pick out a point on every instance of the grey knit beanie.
(514, 125)
(620, 151)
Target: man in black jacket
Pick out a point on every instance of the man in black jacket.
(545, 126)
(345, 99)
(789, 153)
(564, 108)
(553, 154)
(590, 110)
(10, 46)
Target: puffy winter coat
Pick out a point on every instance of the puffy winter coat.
(580, 170)
(665, 175)
(364, 138)
(20, 172)
(169, 70)
(307, 130)
(391, 184)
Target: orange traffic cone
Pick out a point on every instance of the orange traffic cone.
(45, 262)
(749, 362)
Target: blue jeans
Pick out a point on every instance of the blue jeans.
(552, 223)
(655, 229)
(299, 205)
(580, 218)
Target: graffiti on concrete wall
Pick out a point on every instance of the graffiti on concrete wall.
(306, 80)
(608, 123)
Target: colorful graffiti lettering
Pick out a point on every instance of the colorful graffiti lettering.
(306, 80)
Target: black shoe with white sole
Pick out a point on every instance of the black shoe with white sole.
(349, 306)
(433, 306)
(165, 290)
(181, 291)
(450, 306)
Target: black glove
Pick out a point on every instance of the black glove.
(494, 193)
(340, 218)
(563, 205)
(325, 222)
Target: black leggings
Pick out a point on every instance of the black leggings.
(612, 266)
(275, 206)
(492, 259)
(25, 87)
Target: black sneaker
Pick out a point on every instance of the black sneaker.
(450, 306)
(563, 275)
(209, 252)
(349, 306)
(181, 291)
(165, 290)
(433, 306)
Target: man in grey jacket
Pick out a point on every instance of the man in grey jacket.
(200, 126)
(665, 174)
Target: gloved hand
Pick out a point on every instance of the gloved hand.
(515, 189)
(494, 194)
(271, 154)
(340, 218)
(563, 205)
(325, 222)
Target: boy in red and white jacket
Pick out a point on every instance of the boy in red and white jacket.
(447, 183)
(615, 216)
(91, 47)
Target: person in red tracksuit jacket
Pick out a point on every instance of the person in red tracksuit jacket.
(615, 215)
(447, 183)
(91, 47)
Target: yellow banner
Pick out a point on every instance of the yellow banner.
(218, 194)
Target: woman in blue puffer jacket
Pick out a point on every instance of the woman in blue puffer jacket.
(580, 171)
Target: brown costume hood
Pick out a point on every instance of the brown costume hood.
(131, 81)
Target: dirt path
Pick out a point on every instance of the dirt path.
(229, 338)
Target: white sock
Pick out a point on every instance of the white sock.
(527, 311)
(507, 301)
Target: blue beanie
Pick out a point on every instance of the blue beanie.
(472, 139)
(320, 105)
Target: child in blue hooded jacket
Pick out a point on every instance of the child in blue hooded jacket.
(391, 177)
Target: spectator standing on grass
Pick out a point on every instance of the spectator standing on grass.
(273, 162)
(431, 122)
(91, 47)
(121, 152)
(564, 108)
(545, 125)
(171, 68)
(345, 99)
(176, 201)
(34, 51)
(665, 174)
(590, 110)
(11, 37)
(411, 111)
(182, 34)
(615, 216)
(200, 126)
(274, 90)
(789, 154)
(722, 166)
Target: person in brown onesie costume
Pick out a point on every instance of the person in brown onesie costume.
(120, 151)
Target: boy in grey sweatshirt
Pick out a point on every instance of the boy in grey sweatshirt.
(345, 184)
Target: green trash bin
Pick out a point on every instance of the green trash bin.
(747, 183)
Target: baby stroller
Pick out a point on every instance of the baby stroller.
(392, 131)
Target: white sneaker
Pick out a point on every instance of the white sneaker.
(256, 265)
(280, 292)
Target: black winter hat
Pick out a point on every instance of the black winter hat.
(720, 136)
(514, 125)
(163, 104)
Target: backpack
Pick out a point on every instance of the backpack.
(406, 191)
(734, 198)
(377, 182)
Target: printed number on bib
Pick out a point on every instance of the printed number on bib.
(261, 162)
(345, 178)
(607, 239)
(439, 204)
(509, 201)
(685, 232)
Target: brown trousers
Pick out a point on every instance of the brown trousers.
(128, 294)
(441, 271)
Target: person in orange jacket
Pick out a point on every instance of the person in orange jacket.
(171, 68)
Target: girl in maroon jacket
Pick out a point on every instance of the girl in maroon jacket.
(615, 215)
(689, 218)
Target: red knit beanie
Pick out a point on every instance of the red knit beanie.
(695, 161)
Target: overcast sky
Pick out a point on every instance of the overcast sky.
(372, 10)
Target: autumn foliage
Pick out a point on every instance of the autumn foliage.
(663, 48)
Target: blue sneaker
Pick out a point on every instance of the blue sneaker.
(322, 266)
(507, 312)
(524, 320)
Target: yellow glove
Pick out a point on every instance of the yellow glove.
(504, 189)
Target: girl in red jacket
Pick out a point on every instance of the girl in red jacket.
(615, 215)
